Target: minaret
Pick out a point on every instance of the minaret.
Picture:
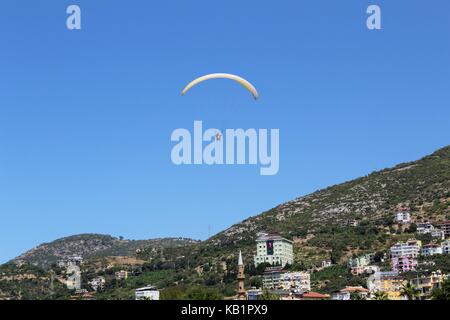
(240, 278)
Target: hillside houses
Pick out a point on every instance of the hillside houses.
(349, 292)
(431, 249)
(277, 278)
(403, 216)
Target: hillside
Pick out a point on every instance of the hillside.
(318, 223)
(319, 219)
(93, 246)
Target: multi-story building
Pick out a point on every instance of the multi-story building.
(445, 247)
(70, 261)
(361, 261)
(404, 255)
(388, 282)
(426, 284)
(325, 264)
(438, 233)
(364, 270)
(404, 263)
(403, 217)
(445, 227)
(273, 249)
(254, 294)
(97, 283)
(277, 278)
(424, 228)
(296, 281)
(73, 281)
(121, 275)
(272, 277)
(431, 249)
(348, 292)
(147, 293)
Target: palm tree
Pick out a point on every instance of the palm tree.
(380, 295)
(442, 293)
(410, 291)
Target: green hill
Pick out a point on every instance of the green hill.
(318, 222)
(92, 246)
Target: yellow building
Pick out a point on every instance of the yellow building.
(387, 282)
(426, 284)
(392, 288)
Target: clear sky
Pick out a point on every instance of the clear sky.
(86, 116)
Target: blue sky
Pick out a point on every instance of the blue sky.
(86, 116)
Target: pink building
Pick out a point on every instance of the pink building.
(404, 263)
(404, 255)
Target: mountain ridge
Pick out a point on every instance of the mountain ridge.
(92, 245)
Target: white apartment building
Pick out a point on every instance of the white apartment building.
(411, 248)
(431, 249)
(147, 293)
(445, 247)
(274, 249)
(438, 233)
(403, 217)
(73, 282)
(70, 261)
(97, 283)
(277, 278)
(297, 281)
(424, 228)
(361, 261)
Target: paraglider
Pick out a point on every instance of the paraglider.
(238, 79)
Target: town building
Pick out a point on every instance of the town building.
(426, 284)
(361, 261)
(349, 292)
(362, 264)
(350, 223)
(364, 270)
(403, 217)
(254, 294)
(445, 227)
(273, 249)
(73, 281)
(241, 278)
(438, 233)
(404, 255)
(325, 264)
(121, 275)
(97, 283)
(314, 296)
(410, 247)
(431, 249)
(424, 228)
(296, 281)
(147, 293)
(70, 261)
(277, 278)
(404, 263)
(388, 282)
(445, 247)
(272, 278)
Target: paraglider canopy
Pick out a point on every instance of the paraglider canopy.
(236, 78)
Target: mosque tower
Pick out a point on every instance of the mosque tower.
(240, 277)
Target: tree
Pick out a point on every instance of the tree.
(357, 296)
(267, 295)
(410, 291)
(381, 295)
(442, 293)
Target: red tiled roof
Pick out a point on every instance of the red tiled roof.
(354, 289)
(315, 295)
